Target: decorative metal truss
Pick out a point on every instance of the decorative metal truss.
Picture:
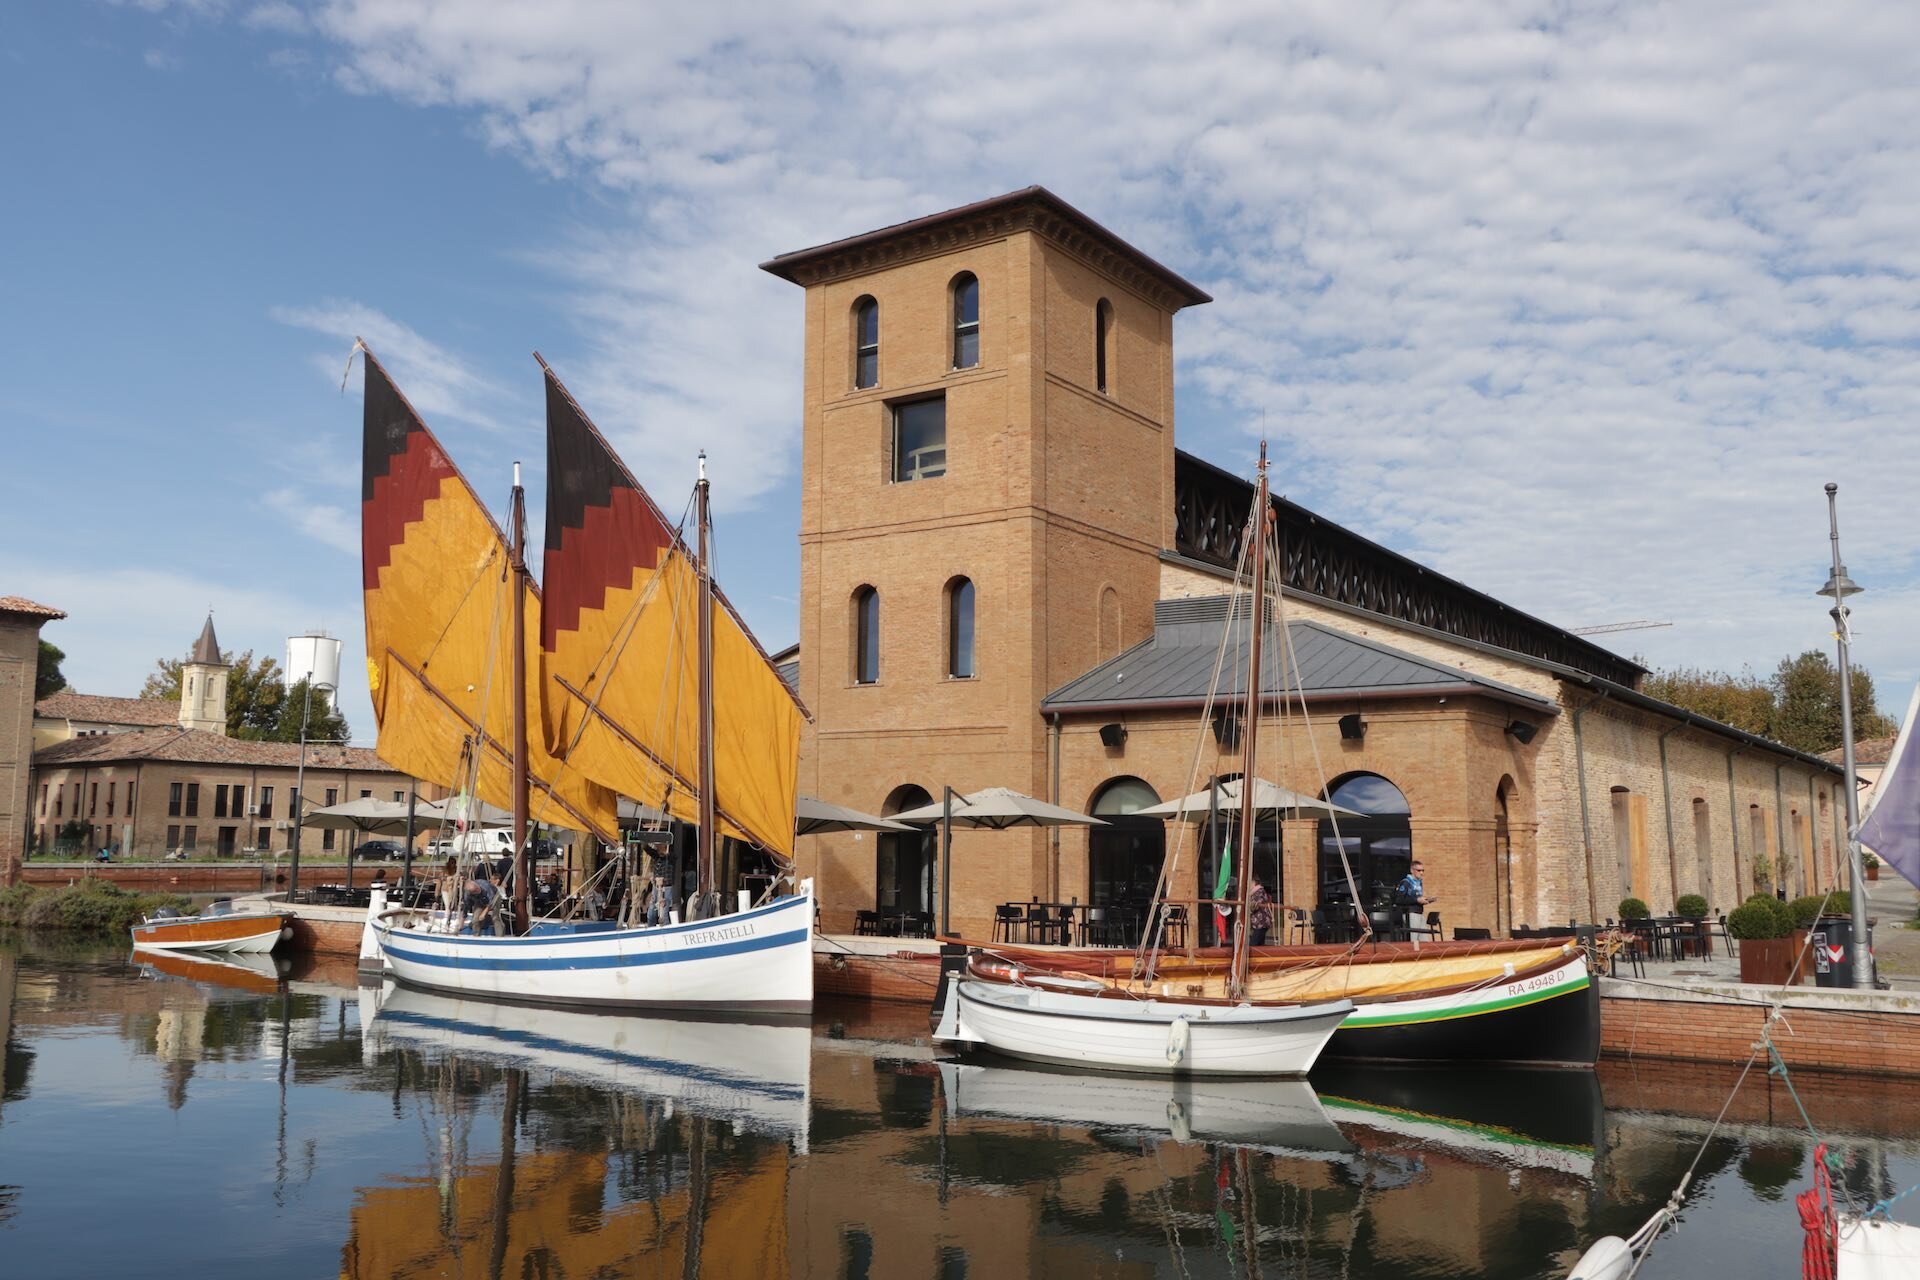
(1318, 557)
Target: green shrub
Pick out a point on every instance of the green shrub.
(1760, 917)
(1634, 909)
(14, 901)
(1810, 908)
(1692, 906)
(89, 905)
(1868, 860)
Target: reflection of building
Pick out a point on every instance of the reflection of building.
(1010, 576)
(108, 780)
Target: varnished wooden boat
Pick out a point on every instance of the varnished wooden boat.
(213, 931)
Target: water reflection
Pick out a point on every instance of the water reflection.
(382, 1132)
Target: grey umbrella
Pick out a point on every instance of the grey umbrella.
(366, 815)
(815, 817)
(996, 809)
(1269, 799)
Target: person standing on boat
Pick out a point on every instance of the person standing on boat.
(481, 899)
(1259, 915)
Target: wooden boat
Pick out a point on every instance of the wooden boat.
(253, 972)
(644, 689)
(213, 930)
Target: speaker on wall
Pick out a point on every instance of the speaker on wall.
(1113, 735)
(1353, 728)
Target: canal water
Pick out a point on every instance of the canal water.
(183, 1117)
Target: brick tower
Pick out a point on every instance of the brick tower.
(987, 482)
(203, 685)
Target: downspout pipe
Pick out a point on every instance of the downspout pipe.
(1733, 822)
(1813, 807)
(1666, 804)
(1053, 833)
(1586, 821)
(1779, 829)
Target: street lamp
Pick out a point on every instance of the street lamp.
(1839, 587)
(299, 788)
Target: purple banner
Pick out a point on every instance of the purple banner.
(1892, 826)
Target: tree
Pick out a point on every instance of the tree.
(47, 679)
(256, 698)
(1742, 701)
(1806, 698)
(323, 722)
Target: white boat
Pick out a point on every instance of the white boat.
(686, 716)
(217, 928)
(1084, 1024)
(753, 1075)
(757, 960)
(1281, 1117)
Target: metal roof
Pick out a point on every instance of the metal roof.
(1174, 667)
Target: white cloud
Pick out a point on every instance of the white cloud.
(1580, 304)
(161, 60)
(335, 526)
(437, 381)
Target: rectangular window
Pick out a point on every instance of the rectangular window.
(173, 836)
(93, 798)
(130, 787)
(398, 796)
(220, 801)
(366, 795)
(326, 839)
(266, 803)
(333, 796)
(240, 800)
(260, 840)
(174, 791)
(193, 800)
(920, 439)
(112, 787)
(43, 799)
(60, 802)
(293, 802)
(189, 837)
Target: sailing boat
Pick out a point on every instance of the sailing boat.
(1086, 1022)
(626, 598)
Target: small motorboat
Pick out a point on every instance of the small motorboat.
(217, 928)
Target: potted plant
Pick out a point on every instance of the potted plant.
(1810, 908)
(1634, 909)
(1691, 906)
(1764, 926)
(1871, 863)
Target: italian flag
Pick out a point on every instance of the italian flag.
(1223, 883)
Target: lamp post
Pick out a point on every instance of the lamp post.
(299, 788)
(1839, 587)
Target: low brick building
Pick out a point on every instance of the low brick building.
(999, 537)
(20, 623)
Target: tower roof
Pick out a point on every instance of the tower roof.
(1034, 208)
(206, 650)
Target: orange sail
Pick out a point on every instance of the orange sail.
(440, 625)
(622, 620)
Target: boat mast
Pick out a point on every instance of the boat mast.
(708, 817)
(518, 521)
(1250, 731)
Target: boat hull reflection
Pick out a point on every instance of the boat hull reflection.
(756, 1076)
(1270, 1115)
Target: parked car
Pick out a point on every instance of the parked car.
(380, 850)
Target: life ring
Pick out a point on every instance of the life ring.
(994, 970)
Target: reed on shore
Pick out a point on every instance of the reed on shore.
(89, 906)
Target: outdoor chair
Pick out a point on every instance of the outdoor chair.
(1429, 930)
(1297, 931)
(1041, 926)
(1174, 925)
(1473, 935)
(1717, 928)
(866, 924)
(1006, 918)
(921, 924)
(1100, 930)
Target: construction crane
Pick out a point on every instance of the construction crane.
(1608, 628)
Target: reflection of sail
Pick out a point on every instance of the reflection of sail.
(1533, 1119)
(753, 1075)
(1277, 1116)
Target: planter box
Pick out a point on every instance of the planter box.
(1770, 962)
(1873, 872)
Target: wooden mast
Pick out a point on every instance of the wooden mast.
(1250, 731)
(518, 686)
(708, 815)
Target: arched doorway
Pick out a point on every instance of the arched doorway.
(1378, 845)
(904, 864)
(1124, 857)
(1503, 856)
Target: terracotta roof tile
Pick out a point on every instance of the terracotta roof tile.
(20, 604)
(1867, 751)
(197, 746)
(100, 709)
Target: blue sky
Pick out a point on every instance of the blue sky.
(1581, 304)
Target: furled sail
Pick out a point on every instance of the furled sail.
(437, 584)
(622, 622)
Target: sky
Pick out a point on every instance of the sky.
(1579, 303)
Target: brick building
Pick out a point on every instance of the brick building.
(20, 623)
(147, 777)
(1000, 540)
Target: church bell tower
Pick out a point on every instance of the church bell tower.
(203, 685)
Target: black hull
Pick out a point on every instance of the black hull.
(1563, 1031)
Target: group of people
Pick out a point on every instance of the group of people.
(480, 894)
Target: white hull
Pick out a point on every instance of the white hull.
(756, 960)
(1159, 1037)
(1279, 1116)
(755, 1076)
(252, 934)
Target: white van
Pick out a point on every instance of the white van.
(489, 842)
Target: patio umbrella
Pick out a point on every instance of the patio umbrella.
(996, 809)
(814, 817)
(1269, 798)
(367, 816)
(474, 812)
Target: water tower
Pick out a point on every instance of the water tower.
(315, 658)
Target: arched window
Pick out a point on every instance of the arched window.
(1503, 854)
(960, 629)
(866, 636)
(1124, 857)
(866, 343)
(1702, 849)
(1102, 340)
(1109, 614)
(904, 861)
(1378, 844)
(966, 321)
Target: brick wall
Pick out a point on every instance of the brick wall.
(19, 664)
(1878, 1034)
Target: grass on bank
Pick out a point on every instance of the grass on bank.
(90, 906)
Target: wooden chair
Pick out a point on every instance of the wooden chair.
(1296, 926)
(1174, 925)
